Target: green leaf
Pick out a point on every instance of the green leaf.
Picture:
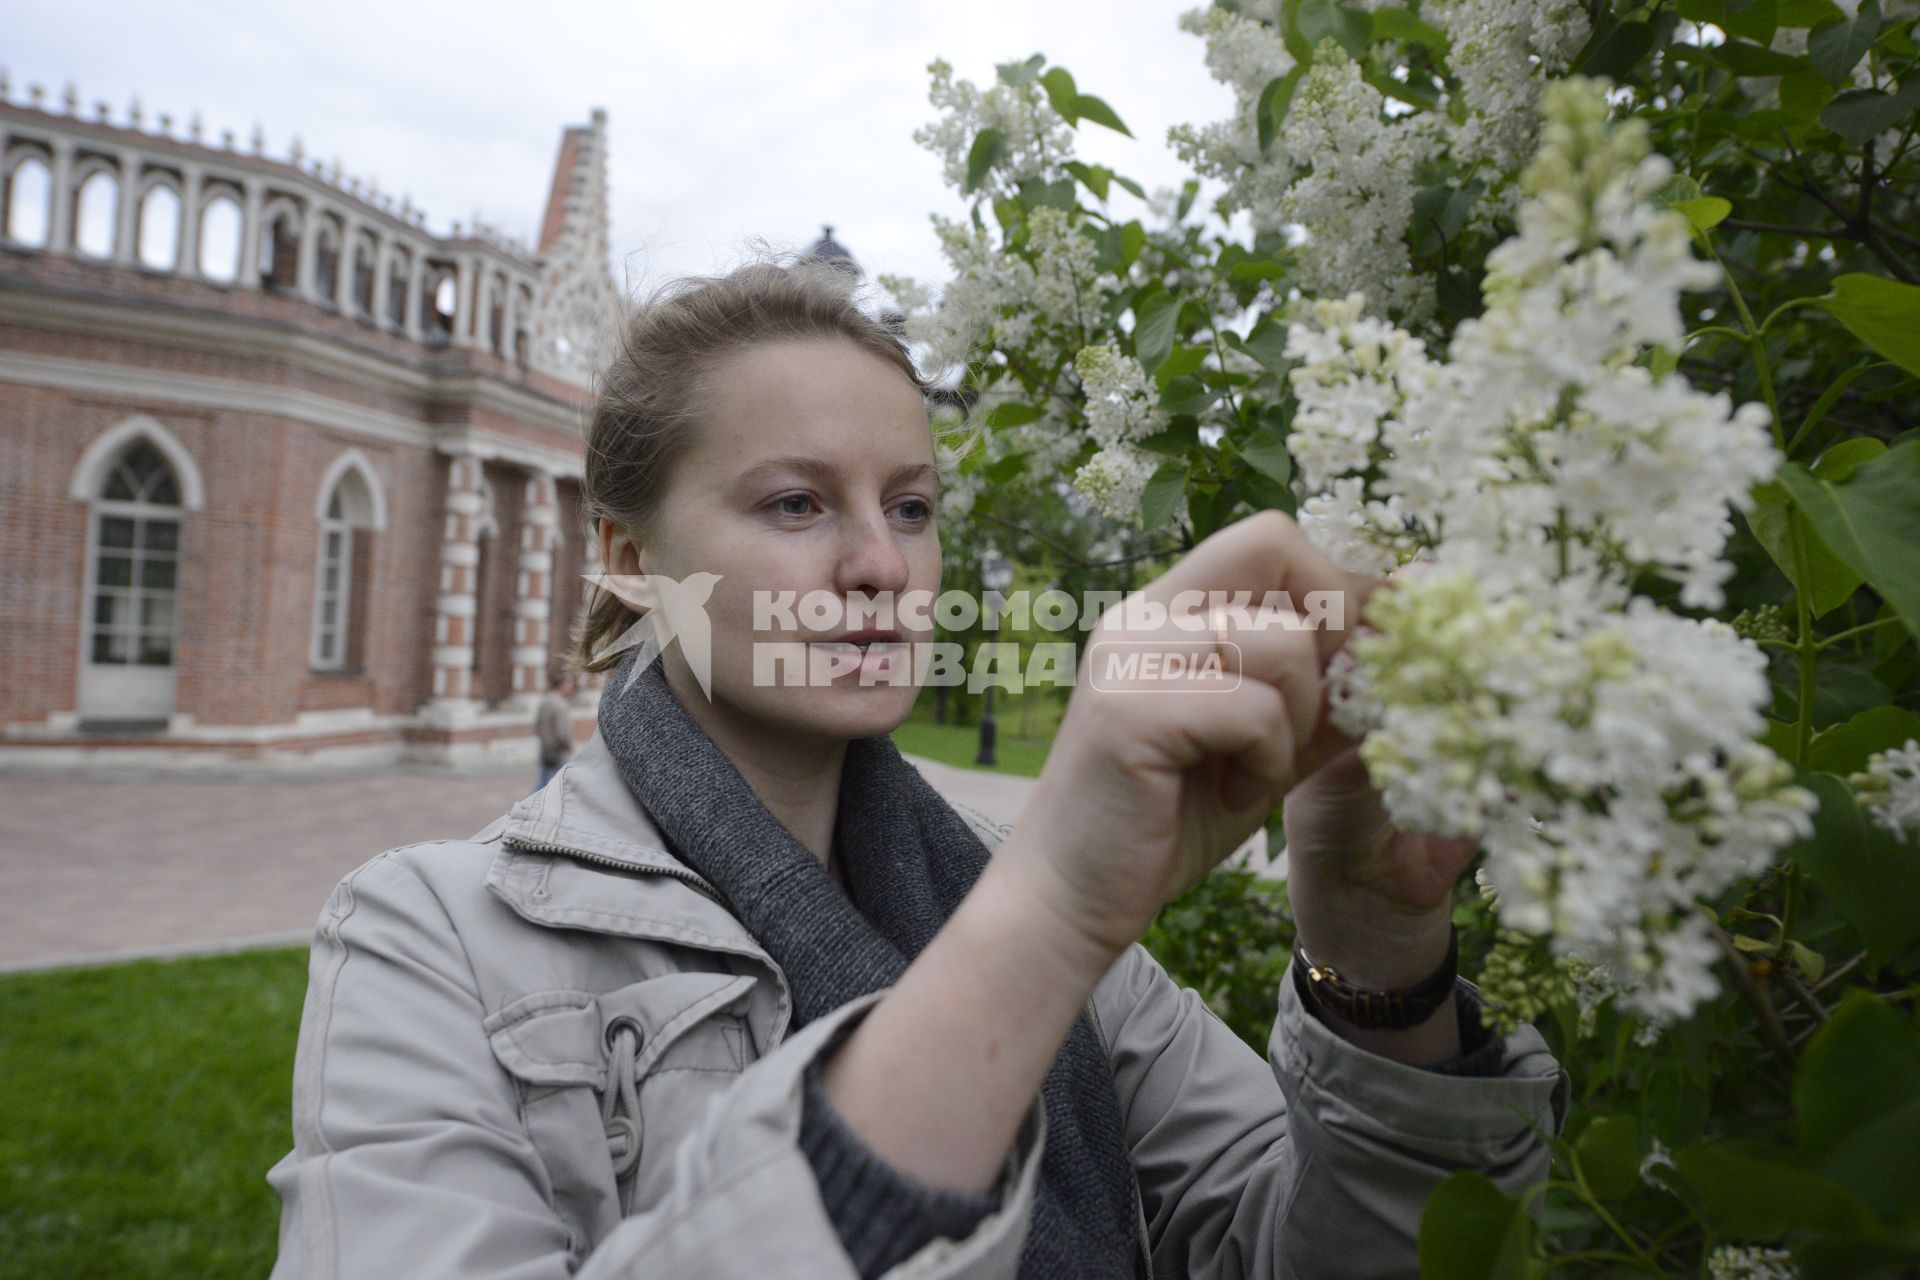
(1803, 96)
(1871, 520)
(1837, 47)
(1407, 27)
(1470, 1230)
(1161, 498)
(1061, 91)
(1844, 748)
(1019, 73)
(1093, 177)
(1860, 115)
(1351, 29)
(1872, 878)
(1884, 314)
(1839, 462)
(1831, 582)
(1745, 58)
(1189, 192)
(1268, 344)
(1133, 238)
(1153, 331)
(1705, 213)
(1754, 20)
(1173, 442)
(1856, 1093)
(1088, 107)
(1750, 1196)
(1013, 414)
(1609, 1155)
(1001, 470)
(1617, 52)
(1267, 453)
(988, 146)
(1271, 112)
(1187, 395)
(1807, 13)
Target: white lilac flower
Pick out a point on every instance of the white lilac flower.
(1037, 140)
(1115, 479)
(1744, 1262)
(1503, 51)
(1356, 199)
(1121, 405)
(1889, 788)
(1599, 747)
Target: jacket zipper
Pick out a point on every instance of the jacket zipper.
(697, 881)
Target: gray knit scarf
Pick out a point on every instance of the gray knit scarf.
(909, 859)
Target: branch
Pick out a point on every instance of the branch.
(1069, 553)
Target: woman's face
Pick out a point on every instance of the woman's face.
(812, 471)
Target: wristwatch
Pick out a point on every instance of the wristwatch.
(1371, 1008)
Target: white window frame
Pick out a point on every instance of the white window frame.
(342, 595)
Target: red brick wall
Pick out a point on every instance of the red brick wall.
(247, 560)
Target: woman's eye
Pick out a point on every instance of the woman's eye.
(805, 502)
(917, 509)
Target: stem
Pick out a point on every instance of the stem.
(1854, 631)
(1786, 306)
(1593, 1202)
(1753, 993)
(1754, 342)
(1804, 644)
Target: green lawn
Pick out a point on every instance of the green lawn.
(143, 1106)
(144, 1103)
(1024, 730)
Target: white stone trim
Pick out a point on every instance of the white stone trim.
(91, 471)
(354, 460)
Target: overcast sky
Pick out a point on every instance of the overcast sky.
(726, 120)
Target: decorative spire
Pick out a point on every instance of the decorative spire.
(575, 307)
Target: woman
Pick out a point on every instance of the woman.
(737, 994)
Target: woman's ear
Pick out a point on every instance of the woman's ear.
(619, 550)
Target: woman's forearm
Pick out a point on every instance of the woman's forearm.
(1369, 952)
(939, 1075)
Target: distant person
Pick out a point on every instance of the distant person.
(553, 723)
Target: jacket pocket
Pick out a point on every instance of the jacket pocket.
(607, 1082)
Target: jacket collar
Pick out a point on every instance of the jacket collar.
(587, 812)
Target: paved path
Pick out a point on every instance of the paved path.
(100, 869)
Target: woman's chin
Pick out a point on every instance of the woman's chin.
(849, 709)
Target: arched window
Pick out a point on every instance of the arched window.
(158, 237)
(497, 315)
(220, 239)
(399, 272)
(139, 483)
(349, 516)
(442, 302)
(326, 261)
(364, 258)
(279, 261)
(28, 208)
(486, 537)
(96, 208)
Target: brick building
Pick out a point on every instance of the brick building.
(284, 476)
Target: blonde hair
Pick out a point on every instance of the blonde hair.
(652, 394)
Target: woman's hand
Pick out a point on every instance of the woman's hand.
(1152, 780)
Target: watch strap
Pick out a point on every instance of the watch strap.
(1373, 1008)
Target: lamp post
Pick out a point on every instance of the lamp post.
(996, 575)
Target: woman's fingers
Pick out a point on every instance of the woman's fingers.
(1267, 553)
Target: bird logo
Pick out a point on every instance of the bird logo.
(669, 609)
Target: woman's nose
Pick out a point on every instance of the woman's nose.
(872, 559)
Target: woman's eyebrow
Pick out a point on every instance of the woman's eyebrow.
(823, 472)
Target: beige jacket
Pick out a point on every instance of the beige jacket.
(546, 1051)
